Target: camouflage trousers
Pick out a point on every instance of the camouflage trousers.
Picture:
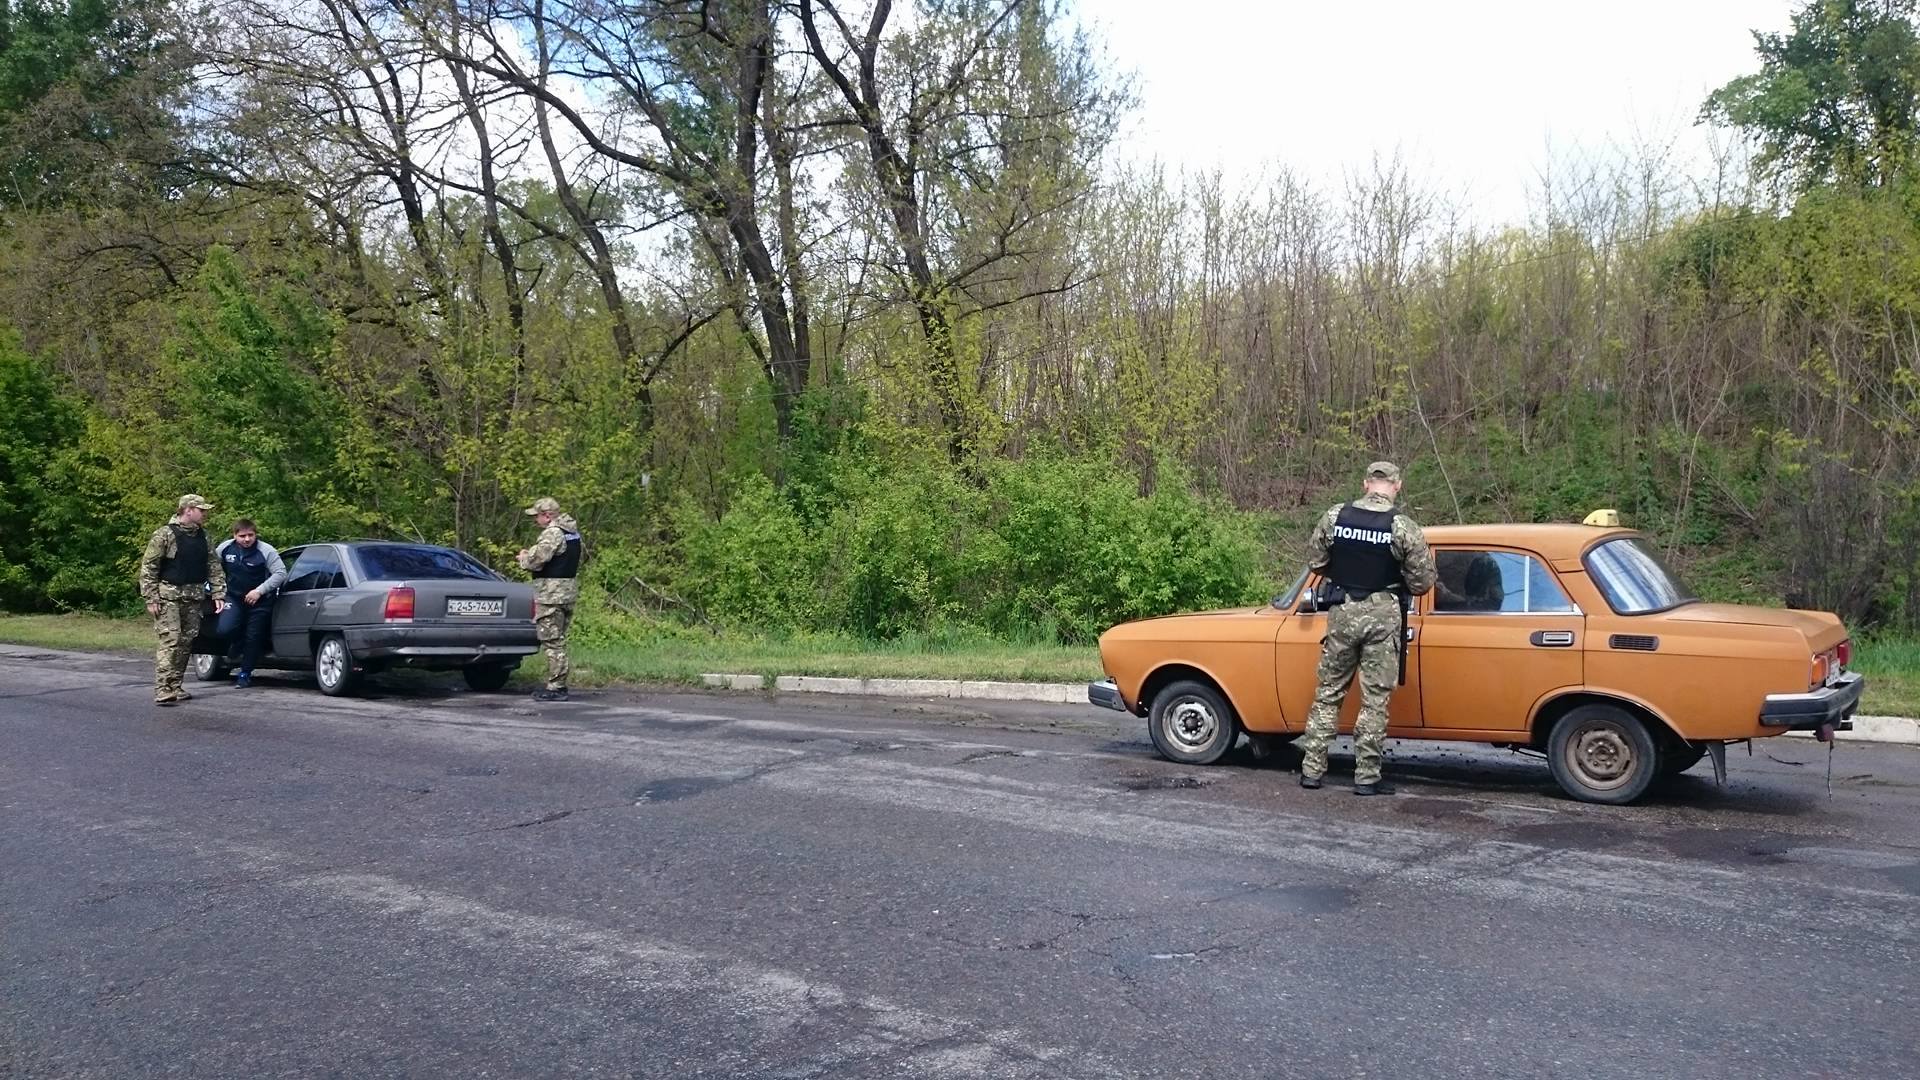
(551, 625)
(1360, 640)
(177, 624)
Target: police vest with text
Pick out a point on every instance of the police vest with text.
(1361, 560)
(565, 562)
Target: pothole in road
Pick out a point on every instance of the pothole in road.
(1161, 783)
(677, 787)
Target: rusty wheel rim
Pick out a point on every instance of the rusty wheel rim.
(1190, 724)
(1601, 755)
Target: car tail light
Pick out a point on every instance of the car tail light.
(1843, 653)
(1819, 670)
(399, 603)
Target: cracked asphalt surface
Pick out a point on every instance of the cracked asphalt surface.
(424, 881)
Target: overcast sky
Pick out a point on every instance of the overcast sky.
(1477, 95)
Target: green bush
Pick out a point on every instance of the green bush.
(755, 566)
(67, 540)
(904, 551)
(1043, 549)
(1083, 550)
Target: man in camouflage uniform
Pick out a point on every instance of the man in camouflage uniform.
(1371, 556)
(175, 570)
(554, 561)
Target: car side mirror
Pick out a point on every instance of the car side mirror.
(1306, 603)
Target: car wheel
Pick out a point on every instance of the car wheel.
(1602, 754)
(333, 666)
(1678, 757)
(486, 676)
(1191, 723)
(208, 667)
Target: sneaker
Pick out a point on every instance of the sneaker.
(550, 695)
(1378, 787)
(243, 680)
(1309, 781)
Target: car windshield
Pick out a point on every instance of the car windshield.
(1633, 578)
(394, 562)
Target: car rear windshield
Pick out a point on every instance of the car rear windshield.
(395, 562)
(1633, 578)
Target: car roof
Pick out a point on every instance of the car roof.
(364, 541)
(1556, 540)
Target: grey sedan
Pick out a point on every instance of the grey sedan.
(352, 608)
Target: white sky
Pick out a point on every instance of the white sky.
(1476, 95)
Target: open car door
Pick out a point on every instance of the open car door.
(207, 641)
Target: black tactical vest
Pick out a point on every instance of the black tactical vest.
(188, 566)
(1361, 558)
(246, 568)
(565, 562)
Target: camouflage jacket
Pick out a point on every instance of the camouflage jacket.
(553, 539)
(1409, 543)
(162, 546)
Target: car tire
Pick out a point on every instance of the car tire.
(1602, 754)
(486, 677)
(1190, 722)
(1677, 757)
(333, 666)
(207, 667)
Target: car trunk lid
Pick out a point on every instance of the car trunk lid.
(1822, 630)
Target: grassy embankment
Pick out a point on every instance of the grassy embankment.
(1892, 666)
(679, 660)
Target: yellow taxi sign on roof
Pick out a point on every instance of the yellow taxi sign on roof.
(1605, 519)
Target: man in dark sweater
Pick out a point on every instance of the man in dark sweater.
(255, 573)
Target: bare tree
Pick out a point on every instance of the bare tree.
(979, 130)
(693, 75)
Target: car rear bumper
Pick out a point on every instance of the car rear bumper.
(1834, 703)
(1106, 695)
(451, 646)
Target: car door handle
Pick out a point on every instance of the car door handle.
(1552, 639)
(313, 603)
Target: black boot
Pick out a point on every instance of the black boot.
(1309, 781)
(1378, 787)
(551, 695)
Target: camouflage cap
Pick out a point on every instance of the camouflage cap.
(543, 506)
(1384, 470)
(193, 502)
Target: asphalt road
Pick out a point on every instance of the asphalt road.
(430, 882)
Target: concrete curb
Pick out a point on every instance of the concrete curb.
(978, 690)
(1885, 729)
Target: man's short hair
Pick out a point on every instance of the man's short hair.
(244, 525)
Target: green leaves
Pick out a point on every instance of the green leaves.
(1835, 99)
(1050, 548)
(62, 514)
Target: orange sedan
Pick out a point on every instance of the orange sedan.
(1573, 640)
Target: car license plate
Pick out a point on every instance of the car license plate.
(475, 605)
